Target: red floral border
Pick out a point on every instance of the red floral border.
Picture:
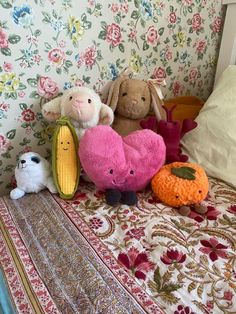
(13, 278)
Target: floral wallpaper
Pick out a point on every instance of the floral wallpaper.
(47, 46)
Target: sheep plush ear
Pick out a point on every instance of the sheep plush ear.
(106, 115)
(52, 109)
(157, 98)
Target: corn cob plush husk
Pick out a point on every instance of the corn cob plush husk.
(65, 160)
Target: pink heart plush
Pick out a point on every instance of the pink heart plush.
(126, 164)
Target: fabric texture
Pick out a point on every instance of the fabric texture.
(213, 143)
(84, 256)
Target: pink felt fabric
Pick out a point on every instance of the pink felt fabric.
(126, 164)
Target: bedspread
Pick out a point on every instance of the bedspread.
(84, 256)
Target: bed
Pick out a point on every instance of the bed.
(84, 256)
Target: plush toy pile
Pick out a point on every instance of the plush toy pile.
(121, 159)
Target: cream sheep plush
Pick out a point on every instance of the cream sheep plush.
(33, 174)
(82, 106)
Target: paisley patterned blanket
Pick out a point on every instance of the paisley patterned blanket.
(83, 256)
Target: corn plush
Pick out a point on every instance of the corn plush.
(65, 161)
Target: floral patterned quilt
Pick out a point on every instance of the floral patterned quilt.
(143, 259)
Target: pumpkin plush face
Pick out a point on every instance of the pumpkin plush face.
(180, 183)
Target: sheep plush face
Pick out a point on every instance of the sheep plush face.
(82, 106)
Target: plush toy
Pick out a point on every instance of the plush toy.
(132, 100)
(33, 174)
(82, 105)
(180, 184)
(65, 160)
(172, 132)
(121, 166)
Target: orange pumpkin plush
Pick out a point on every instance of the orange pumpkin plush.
(179, 184)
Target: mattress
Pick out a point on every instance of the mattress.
(84, 256)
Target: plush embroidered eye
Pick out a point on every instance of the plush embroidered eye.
(111, 171)
(89, 101)
(131, 172)
(35, 159)
(176, 196)
(70, 98)
(124, 94)
(68, 142)
(143, 98)
(199, 191)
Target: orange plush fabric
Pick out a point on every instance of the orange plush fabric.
(175, 190)
(187, 107)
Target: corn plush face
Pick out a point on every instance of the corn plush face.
(66, 169)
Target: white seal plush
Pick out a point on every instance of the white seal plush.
(33, 174)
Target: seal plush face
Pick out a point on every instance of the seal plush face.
(28, 160)
(31, 172)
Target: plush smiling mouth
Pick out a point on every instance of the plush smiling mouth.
(65, 148)
(118, 183)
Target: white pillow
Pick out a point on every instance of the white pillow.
(213, 143)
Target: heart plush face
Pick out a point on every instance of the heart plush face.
(126, 164)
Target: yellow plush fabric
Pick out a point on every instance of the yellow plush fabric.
(66, 168)
(213, 143)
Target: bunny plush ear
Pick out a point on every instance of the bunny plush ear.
(52, 109)
(115, 87)
(157, 97)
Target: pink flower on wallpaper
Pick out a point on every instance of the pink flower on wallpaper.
(124, 7)
(4, 106)
(214, 249)
(152, 36)
(200, 45)
(159, 73)
(56, 56)
(193, 75)
(47, 88)
(177, 88)
(21, 94)
(89, 56)
(132, 35)
(172, 18)
(79, 83)
(4, 144)
(173, 256)
(187, 2)
(196, 22)
(114, 7)
(217, 24)
(7, 67)
(28, 115)
(3, 39)
(137, 262)
(113, 35)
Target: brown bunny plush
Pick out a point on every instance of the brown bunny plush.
(132, 100)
